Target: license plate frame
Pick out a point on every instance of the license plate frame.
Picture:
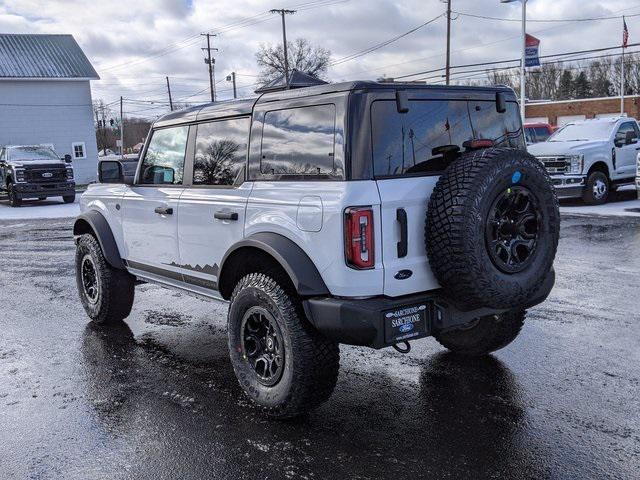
(406, 323)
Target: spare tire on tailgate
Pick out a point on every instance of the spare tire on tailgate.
(492, 228)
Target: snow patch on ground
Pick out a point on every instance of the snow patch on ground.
(628, 208)
(31, 209)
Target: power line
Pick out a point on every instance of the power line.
(382, 44)
(550, 20)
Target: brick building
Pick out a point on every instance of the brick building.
(565, 111)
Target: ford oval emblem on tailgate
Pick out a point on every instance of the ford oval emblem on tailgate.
(47, 175)
(403, 274)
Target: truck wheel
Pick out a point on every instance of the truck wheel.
(106, 293)
(14, 200)
(596, 192)
(485, 335)
(69, 198)
(492, 229)
(282, 363)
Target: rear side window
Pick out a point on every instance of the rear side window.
(299, 141)
(542, 134)
(163, 162)
(221, 151)
(423, 140)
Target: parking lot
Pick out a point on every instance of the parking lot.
(157, 398)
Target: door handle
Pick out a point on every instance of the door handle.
(164, 210)
(225, 216)
(401, 217)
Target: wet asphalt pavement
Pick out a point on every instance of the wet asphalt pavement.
(157, 397)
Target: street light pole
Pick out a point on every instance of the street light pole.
(524, 54)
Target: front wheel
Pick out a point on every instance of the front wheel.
(597, 190)
(282, 363)
(106, 292)
(484, 335)
(69, 198)
(14, 199)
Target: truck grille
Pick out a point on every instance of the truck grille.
(556, 164)
(45, 174)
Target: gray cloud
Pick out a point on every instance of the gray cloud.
(133, 45)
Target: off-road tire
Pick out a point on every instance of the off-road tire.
(589, 196)
(484, 336)
(455, 232)
(311, 361)
(14, 201)
(69, 198)
(116, 287)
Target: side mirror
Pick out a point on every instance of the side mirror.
(67, 158)
(630, 138)
(110, 171)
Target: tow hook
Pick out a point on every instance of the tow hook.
(405, 349)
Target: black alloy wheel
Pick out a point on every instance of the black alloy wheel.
(263, 345)
(512, 227)
(90, 281)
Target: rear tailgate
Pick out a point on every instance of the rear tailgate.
(410, 273)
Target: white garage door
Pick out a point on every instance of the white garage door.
(536, 120)
(564, 119)
(608, 115)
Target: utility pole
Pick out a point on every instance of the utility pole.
(121, 131)
(232, 78)
(211, 62)
(169, 91)
(282, 12)
(448, 68)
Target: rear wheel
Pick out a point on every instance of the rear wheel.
(69, 198)
(597, 190)
(484, 335)
(282, 363)
(106, 292)
(14, 199)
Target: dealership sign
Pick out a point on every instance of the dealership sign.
(532, 45)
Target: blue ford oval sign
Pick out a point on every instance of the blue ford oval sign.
(407, 327)
(403, 274)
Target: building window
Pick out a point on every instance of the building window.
(78, 150)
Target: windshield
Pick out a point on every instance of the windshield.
(434, 132)
(583, 131)
(26, 154)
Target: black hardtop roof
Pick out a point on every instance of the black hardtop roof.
(228, 108)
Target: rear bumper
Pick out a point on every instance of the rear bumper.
(35, 190)
(569, 186)
(370, 322)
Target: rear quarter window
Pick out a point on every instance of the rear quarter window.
(424, 140)
(299, 141)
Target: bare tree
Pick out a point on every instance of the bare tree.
(303, 56)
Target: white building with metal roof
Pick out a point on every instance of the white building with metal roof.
(45, 98)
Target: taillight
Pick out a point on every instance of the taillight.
(358, 237)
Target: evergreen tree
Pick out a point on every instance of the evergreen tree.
(566, 89)
(582, 86)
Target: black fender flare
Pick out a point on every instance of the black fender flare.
(301, 270)
(104, 235)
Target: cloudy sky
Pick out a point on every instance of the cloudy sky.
(134, 44)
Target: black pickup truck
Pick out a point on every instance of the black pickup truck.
(35, 171)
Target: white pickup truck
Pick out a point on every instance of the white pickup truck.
(589, 159)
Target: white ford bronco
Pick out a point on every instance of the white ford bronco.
(589, 159)
(358, 213)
